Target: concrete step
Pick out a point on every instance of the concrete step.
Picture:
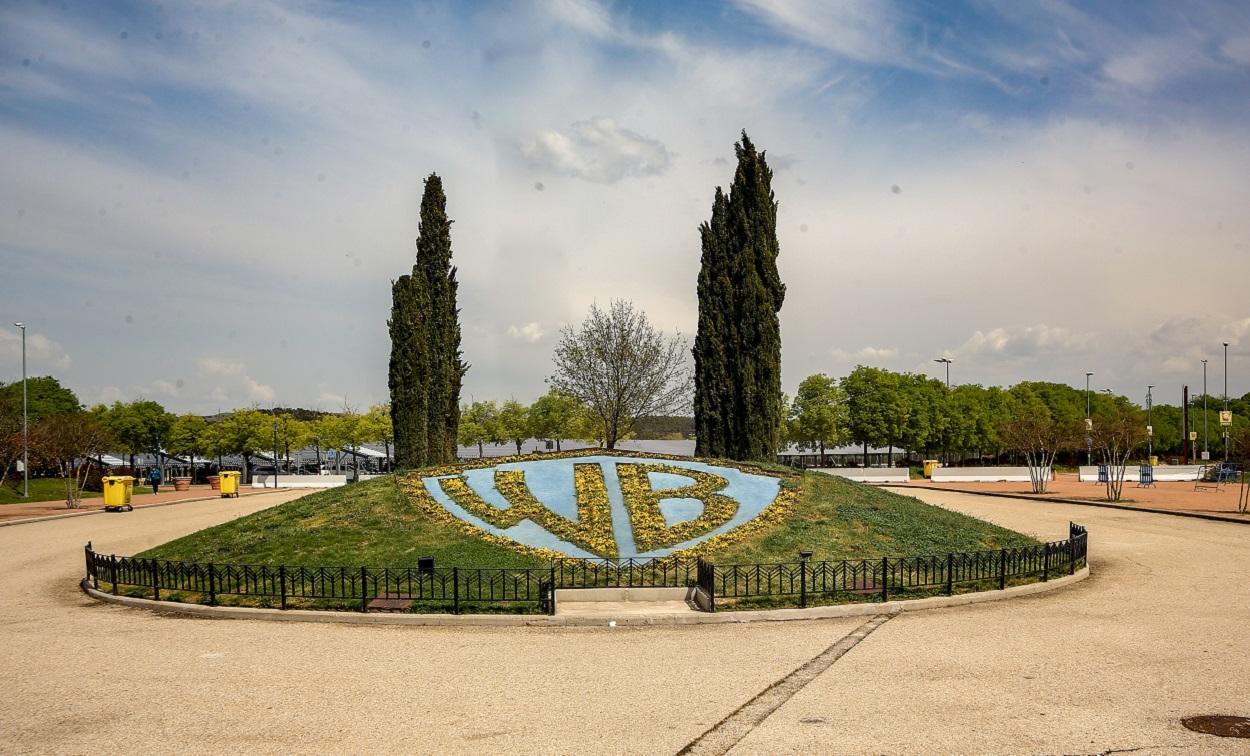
(609, 610)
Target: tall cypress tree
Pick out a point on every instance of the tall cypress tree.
(434, 268)
(426, 370)
(738, 412)
(409, 371)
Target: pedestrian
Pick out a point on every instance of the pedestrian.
(154, 478)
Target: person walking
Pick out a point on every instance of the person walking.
(154, 478)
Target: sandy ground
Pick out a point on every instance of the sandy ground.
(1177, 496)
(143, 497)
(1159, 631)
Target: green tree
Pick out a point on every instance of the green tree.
(139, 427)
(70, 442)
(44, 396)
(376, 427)
(244, 432)
(426, 369)
(514, 423)
(552, 415)
(818, 414)
(868, 410)
(738, 412)
(186, 438)
(479, 425)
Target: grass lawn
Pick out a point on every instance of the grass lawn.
(374, 524)
(41, 489)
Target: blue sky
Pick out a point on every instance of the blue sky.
(204, 204)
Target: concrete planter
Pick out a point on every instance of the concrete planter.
(214, 482)
(182, 484)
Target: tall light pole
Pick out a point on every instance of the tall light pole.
(1089, 440)
(1226, 428)
(1150, 429)
(25, 422)
(946, 452)
(1206, 450)
(275, 455)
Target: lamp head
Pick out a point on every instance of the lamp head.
(21, 326)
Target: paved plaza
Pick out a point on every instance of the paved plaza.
(1159, 631)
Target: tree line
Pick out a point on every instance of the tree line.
(873, 407)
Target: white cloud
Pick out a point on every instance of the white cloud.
(869, 355)
(259, 392)
(1025, 342)
(530, 332)
(862, 30)
(597, 150)
(218, 366)
(42, 354)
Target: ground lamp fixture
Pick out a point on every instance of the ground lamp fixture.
(25, 421)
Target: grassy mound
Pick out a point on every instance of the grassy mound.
(376, 523)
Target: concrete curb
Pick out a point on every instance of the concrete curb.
(1081, 502)
(46, 518)
(520, 620)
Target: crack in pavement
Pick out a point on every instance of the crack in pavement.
(725, 734)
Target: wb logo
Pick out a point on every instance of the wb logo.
(605, 506)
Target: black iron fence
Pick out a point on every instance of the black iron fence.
(427, 588)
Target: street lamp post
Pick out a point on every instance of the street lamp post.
(1089, 440)
(275, 455)
(1206, 450)
(946, 452)
(1150, 429)
(1226, 428)
(25, 422)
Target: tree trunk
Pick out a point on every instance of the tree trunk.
(518, 443)
(480, 452)
(890, 455)
(865, 454)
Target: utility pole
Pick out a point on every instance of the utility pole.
(1089, 424)
(25, 422)
(1226, 428)
(946, 452)
(1206, 449)
(1150, 429)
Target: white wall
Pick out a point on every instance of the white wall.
(1163, 473)
(985, 475)
(868, 474)
(304, 481)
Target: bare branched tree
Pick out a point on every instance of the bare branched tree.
(1117, 435)
(1039, 437)
(622, 368)
(69, 441)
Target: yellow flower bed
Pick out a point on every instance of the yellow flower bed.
(593, 530)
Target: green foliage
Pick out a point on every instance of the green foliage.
(44, 396)
(426, 369)
(514, 423)
(818, 414)
(139, 427)
(187, 436)
(552, 415)
(737, 350)
(479, 424)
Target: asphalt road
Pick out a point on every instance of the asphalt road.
(1159, 631)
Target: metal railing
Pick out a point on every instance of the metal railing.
(431, 589)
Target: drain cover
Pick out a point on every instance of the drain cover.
(1218, 724)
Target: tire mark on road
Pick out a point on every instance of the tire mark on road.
(726, 733)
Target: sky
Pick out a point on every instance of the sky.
(204, 204)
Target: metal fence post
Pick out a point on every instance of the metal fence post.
(455, 590)
(212, 585)
(282, 581)
(950, 574)
(1046, 564)
(803, 583)
(156, 581)
(90, 572)
(885, 579)
(364, 593)
(1002, 569)
(551, 597)
(1071, 555)
(113, 572)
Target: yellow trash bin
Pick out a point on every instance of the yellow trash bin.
(929, 466)
(117, 492)
(229, 483)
